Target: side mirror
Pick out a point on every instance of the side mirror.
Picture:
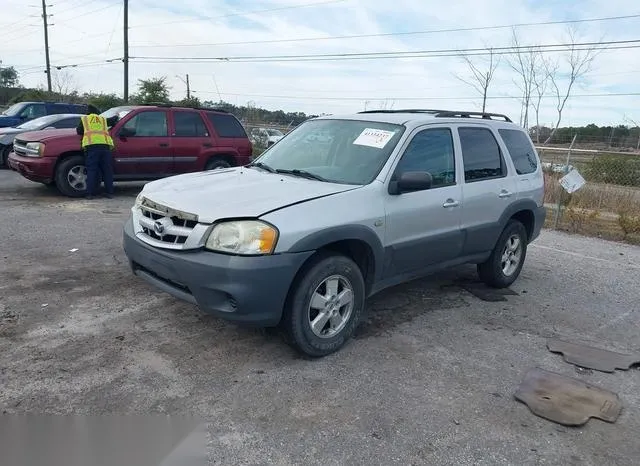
(411, 181)
(50, 127)
(126, 132)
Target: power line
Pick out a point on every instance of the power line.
(91, 12)
(390, 34)
(230, 15)
(621, 94)
(409, 54)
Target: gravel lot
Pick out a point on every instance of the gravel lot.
(428, 380)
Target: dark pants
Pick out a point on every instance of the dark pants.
(99, 165)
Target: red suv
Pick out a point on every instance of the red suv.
(151, 142)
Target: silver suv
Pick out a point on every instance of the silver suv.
(302, 236)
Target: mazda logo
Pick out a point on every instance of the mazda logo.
(158, 227)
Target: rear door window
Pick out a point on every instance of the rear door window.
(189, 124)
(226, 126)
(481, 155)
(66, 123)
(521, 150)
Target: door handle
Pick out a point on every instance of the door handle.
(164, 144)
(207, 144)
(450, 203)
(504, 193)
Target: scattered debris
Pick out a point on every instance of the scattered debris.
(483, 292)
(44, 305)
(120, 337)
(565, 400)
(74, 250)
(590, 357)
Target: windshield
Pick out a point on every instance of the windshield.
(14, 110)
(274, 132)
(351, 152)
(38, 123)
(120, 111)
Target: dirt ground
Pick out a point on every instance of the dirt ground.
(429, 379)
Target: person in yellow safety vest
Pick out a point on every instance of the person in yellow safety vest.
(97, 146)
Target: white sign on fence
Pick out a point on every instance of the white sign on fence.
(572, 181)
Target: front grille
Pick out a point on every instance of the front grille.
(19, 147)
(164, 227)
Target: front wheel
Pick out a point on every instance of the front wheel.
(5, 156)
(71, 176)
(215, 164)
(505, 262)
(325, 305)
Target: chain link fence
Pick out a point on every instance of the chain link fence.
(262, 135)
(607, 205)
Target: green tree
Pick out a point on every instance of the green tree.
(191, 102)
(8, 77)
(153, 90)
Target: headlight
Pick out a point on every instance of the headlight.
(139, 200)
(35, 148)
(245, 237)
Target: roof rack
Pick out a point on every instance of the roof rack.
(164, 104)
(447, 113)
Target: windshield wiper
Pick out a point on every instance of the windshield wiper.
(302, 174)
(263, 166)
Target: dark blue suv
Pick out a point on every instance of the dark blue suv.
(26, 111)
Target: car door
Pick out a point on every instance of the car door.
(528, 173)
(488, 188)
(143, 145)
(190, 138)
(423, 227)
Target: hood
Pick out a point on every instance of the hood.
(7, 121)
(9, 130)
(48, 134)
(236, 192)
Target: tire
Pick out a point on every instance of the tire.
(68, 170)
(495, 272)
(327, 276)
(5, 156)
(216, 163)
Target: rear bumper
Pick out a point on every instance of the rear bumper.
(250, 290)
(38, 169)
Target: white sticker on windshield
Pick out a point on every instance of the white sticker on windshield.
(371, 137)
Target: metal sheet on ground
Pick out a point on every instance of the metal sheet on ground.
(591, 357)
(484, 292)
(565, 400)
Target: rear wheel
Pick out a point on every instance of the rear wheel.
(5, 155)
(217, 163)
(505, 263)
(325, 305)
(71, 176)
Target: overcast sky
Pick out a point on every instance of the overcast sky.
(89, 33)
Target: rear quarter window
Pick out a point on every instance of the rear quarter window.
(226, 126)
(521, 150)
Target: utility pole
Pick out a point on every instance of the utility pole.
(126, 50)
(187, 83)
(46, 44)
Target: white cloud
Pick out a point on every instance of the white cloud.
(327, 86)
